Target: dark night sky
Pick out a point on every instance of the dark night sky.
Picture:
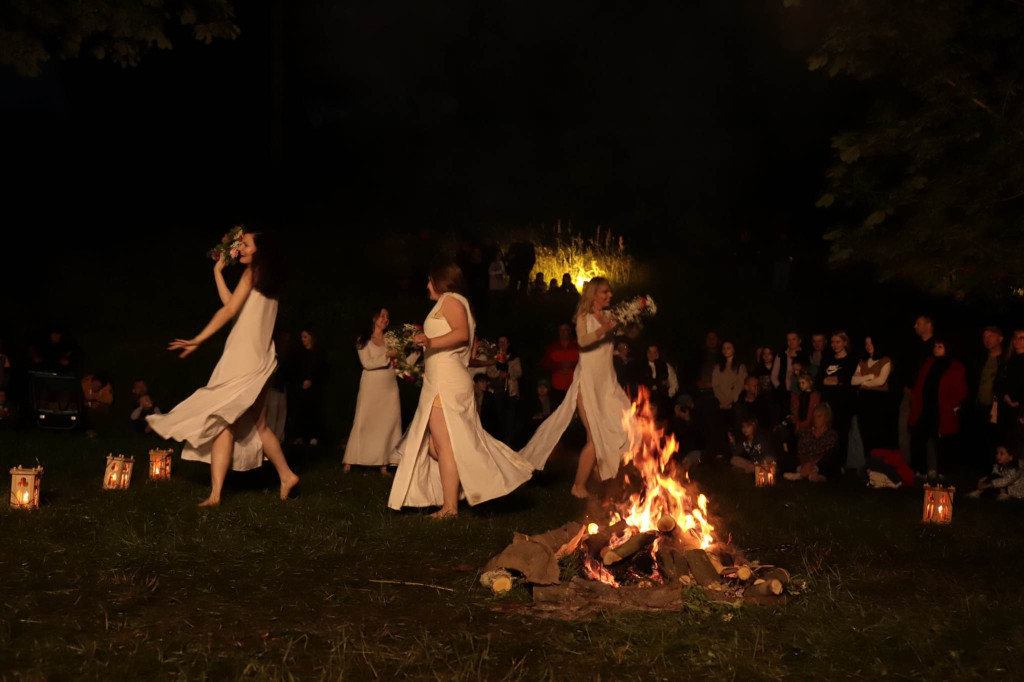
(636, 115)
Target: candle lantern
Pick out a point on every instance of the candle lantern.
(25, 485)
(764, 474)
(159, 465)
(119, 472)
(938, 504)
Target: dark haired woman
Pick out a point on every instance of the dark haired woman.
(310, 372)
(377, 426)
(445, 446)
(225, 422)
(876, 410)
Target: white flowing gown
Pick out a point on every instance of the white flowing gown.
(487, 467)
(603, 399)
(377, 426)
(248, 362)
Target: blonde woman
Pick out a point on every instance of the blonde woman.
(595, 394)
(445, 452)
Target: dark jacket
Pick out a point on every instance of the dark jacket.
(952, 393)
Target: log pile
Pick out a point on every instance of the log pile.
(620, 569)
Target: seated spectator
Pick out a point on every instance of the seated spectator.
(803, 404)
(752, 447)
(139, 389)
(543, 405)
(688, 436)
(622, 360)
(144, 408)
(757, 404)
(560, 360)
(8, 412)
(657, 375)
(483, 396)
(505, 374)
(56, 353)
(97, 393)
(1006, 480)
(817, 448)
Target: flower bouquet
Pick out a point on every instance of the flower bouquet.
(408, 366)
(631, 311)
(230, 246)
(485, 350)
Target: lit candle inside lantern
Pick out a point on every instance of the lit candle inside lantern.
(24, 497)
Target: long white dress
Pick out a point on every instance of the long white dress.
(248, 362)
(377, 426)
(487, 467)
(603, 399)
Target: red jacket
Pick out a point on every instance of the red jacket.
(952, 393)
(556, 354)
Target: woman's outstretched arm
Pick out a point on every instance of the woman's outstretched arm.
(220, 318)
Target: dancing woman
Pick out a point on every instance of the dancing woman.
(595, 394)
(225, 422)
(377, 426)
(445, 446)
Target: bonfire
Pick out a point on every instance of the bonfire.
(642, 547)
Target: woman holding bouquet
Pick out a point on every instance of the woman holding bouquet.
(595, 394)
(377, 426)
(225, 422)
(445, 446)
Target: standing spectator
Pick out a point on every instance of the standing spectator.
(804, 403)
(310, 376)
(521, 258)
(539, 288)
(1010, 393)
(818, 353)
(570, 295)
(727, 381)
(938, 393)
(986, 410)
(876, 411)
(560, 360)
(837, 389)
(658, 376)
(622, 360)
(924, 328)
(794, 350)
(817, 449)
(277, 390)
(553, 290)
(767, 370)
(707, 361)
(496, 285)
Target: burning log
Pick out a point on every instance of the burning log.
(596, 542)
(701, 568)
(774, 573)
(629, 547)
(671, 562)
(737, 573)
(667, 523)
(764, 588)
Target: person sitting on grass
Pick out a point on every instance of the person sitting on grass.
(753, 447)
(817, 448)
(1006, 479)
(144, 408)
(689, 437)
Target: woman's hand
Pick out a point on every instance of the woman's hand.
(421, 340)
(219, 265)
(392, 353)
(186, 346)
(609, 324)
(831, 381)
(306, 385)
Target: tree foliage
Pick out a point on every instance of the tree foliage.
(34, 31)
(930, 187)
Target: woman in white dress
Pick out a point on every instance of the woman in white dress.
(595, 394)
(225, 422)
(377, 426)
(445, 445)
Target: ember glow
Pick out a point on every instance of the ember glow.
(666, 501)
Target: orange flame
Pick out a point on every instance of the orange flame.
(663, 492)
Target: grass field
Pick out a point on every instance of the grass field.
(141, 584)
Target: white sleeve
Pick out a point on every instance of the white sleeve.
(873, 381)
(373, 356)
(673, 381)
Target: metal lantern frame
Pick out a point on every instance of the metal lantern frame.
(764, 474)
(25, 486)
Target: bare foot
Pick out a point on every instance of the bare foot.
(347, 469)
(580, 492)
(384, 472)
(444, 513)
(210, 502)
(286, 486)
